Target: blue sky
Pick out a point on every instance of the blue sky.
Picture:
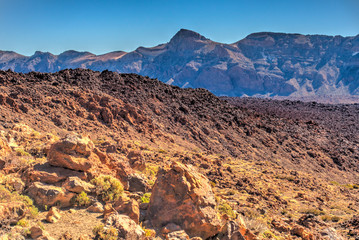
(102, 26)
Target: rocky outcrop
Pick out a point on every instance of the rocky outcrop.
(73, 152)
(183, 196)
(264, 63)
(49, 195)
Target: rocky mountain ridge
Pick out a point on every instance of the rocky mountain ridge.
(262, 64)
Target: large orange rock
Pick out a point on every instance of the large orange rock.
(184, 197)
(73, 152)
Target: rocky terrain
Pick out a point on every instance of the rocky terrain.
(294, 66)
(103, 155)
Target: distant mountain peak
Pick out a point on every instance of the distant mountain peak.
(185, 33)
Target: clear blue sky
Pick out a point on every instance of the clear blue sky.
(102, 26)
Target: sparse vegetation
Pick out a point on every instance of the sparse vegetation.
(82, 199)
(145, 198)
(108, 188)
(225, 208)
(105, 233)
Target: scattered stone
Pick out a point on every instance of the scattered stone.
(96, 207)
(39, 234)
(72, 210)
(184, 197)
(171, 227)
(127, 228)
(177, 235)
(53, 215)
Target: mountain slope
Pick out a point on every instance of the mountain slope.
(285, 167)
(263, 64)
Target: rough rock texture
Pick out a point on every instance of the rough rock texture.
(76, 185)
(49, 195)
(53, 215)
(12, 212)
(263, 63)
(73, 152)
(127, 228)
(46, 173)
(183, 196)
(128, 207)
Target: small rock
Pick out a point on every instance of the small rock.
(96, 207)
(127, 228)
(177, 235)
(39, 234)
(53, 215)
(72, 210)
(171, 227)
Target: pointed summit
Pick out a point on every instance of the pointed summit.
(184, 33)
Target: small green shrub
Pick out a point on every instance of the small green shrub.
(103, 233)
(108, 188)
(81, 199)
(22, 152)
(145, 198)
(23, 223)
(225, 208)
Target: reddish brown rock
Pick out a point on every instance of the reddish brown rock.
(128, 207)
(49, 195)
(184, 197)
(53, 215)
(136, 160)
(46, 173)
(73, 152)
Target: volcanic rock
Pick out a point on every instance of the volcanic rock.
(49, 195)
(73, 152)
(183, 196)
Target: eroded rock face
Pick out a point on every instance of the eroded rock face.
(73, 152)
(129, 207)
(183, 196)
(49, 195)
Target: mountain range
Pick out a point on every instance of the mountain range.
(262, 64)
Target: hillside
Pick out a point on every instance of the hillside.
(279, 170)
(293, 66)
